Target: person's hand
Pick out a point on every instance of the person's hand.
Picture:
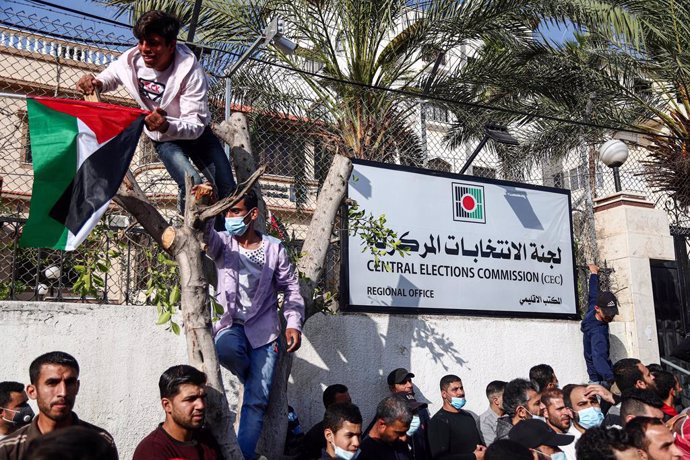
(593, 268)
(598, 390)
(204, 193)
(156, 121)
(88, 83)
(479, 452)
(293, 338)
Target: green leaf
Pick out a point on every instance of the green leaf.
(164, 318)
(175, 327)
(175, 295)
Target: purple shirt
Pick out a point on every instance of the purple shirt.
(262, 325)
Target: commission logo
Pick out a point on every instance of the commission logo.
(468, 203)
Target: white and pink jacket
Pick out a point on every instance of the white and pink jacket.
(185, 98)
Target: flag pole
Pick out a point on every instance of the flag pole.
(13, 96)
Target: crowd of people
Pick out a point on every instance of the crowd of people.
(627, 410)
(526, 418)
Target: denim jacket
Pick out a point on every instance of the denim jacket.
(262, 325)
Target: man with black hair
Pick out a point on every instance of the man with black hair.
(640, 403)
(453, 432)
(15, 411)
(71, 443)
(521, 401)
(631, 373)
(54, 386)
(387, 439)
(628, 373)
(252, 269)
(667, 387)
(400, 382)
(181, 435)
(603, 307)
(653, 440)
(488, 420)
(342, 431)
(585, 408)
(314, 441)
(603, 443)
(165, 77)
(543, 377)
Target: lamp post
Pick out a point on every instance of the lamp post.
(613, 154)
(269, 35)
(498, 133)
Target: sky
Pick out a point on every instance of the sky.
(554, 33)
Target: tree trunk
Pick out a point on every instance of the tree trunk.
(201, 350)
(311, 265)
(318, 239)
(235, 133)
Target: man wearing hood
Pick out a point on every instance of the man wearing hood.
(603, 307)
(165, 77)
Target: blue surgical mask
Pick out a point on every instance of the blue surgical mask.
(558, 456)
(538, 417)
(344, 454)
(590, 418)
(414, 425)
(457, 403)
(236, 226)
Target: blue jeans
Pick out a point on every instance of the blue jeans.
(206, 153)
(255, 368)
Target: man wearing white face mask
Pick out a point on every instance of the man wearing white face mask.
(453, 432)
(540, 439)
(342, 430)
(252, 269)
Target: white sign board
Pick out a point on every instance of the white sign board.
(474, 245)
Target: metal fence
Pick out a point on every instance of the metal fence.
(293, 136)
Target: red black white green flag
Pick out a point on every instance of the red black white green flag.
(81, 152)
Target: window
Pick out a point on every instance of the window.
(484, 172)
(312, 66)
(438, 164)
(431, 53)
(437, 114)
(559, 180)
(25, 148)
(340, 42)
(575, 179)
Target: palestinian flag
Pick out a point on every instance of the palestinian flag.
(81, 152)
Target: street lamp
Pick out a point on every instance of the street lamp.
(498, 133)
(613, 154)
(269, 35)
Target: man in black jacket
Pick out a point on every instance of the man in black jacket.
(453, 432)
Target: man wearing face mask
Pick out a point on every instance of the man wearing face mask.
(540, 439)
(400, 382)
(585, 410)
(343, 431)
(603, 307)
(453, 432)
(521, 401)
(252, 269)
(558, 417)
(15, 411)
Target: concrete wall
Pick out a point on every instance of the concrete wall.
(360, 350)
(122, 354)
(120, 350)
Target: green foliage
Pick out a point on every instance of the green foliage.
(6, 288)
(163, 287)
(376, 237)
(94, 262)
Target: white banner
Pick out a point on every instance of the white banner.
(477, 245)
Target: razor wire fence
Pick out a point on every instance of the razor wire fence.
(297, 123)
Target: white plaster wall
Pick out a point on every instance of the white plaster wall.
(120, 350)
(359, 350)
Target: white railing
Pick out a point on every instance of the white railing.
(51, 47)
